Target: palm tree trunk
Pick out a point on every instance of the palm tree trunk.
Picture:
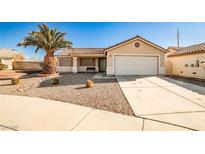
(49, 65)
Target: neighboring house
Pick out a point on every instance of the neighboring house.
(187, 61)
(135, 56)
(7, 56)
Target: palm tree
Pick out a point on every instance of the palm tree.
(50, 40)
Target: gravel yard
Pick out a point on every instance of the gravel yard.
(105, 95)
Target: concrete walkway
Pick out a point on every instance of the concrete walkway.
(165, 100)
(27, 113)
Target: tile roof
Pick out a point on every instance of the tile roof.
(82, 51)
(197, 48)
(7, 53)
(67, 52)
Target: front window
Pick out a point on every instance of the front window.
(65, 61)
(87, 62)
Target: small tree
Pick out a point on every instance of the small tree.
(50, 40)
(19, 57)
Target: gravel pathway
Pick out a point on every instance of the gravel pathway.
(105, 95)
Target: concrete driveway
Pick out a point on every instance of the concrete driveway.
(166, 101)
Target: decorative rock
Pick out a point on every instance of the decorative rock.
(89, 84)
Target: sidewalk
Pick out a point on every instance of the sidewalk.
(28, 113)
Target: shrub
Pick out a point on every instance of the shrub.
(3, 66)
(15, 81)
(89, 84)
(55, 81)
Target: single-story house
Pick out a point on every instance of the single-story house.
(135, 56)
(7, 57)
(187, 61)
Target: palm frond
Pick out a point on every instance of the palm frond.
(48, 39)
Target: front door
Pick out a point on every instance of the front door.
(102, 64)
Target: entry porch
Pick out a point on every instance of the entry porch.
(81, 64)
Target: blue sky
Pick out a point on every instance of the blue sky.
(104, 34)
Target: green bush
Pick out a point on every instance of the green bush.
(55, 81)
(15, 81)
(3, 66)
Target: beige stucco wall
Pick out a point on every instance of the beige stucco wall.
(168, 67)
(129, 48)
(64, 64)
(178, 65)
(168, 63)
(64, 69)
(27, 65)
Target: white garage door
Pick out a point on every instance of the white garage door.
(135, 65)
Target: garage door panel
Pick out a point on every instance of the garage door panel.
(135, 65)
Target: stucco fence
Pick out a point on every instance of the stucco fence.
(34, 66)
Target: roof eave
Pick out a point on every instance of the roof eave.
(185, 54)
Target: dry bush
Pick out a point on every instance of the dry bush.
(55, 81)
(15, 81)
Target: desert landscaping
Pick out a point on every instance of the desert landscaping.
(132, 85)
(105, 94)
